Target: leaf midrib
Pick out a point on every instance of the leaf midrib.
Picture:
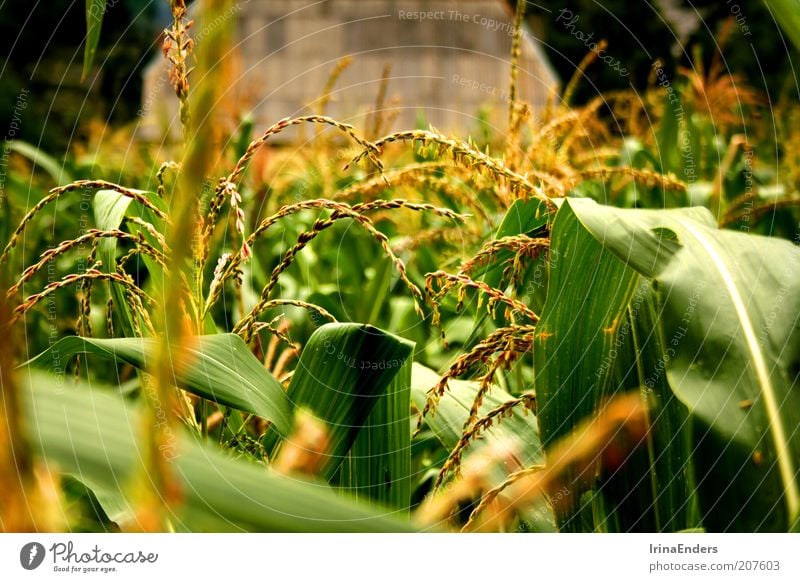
(784, 461)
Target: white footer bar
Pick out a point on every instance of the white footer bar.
(390, 557)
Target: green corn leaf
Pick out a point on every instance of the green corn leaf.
(221, 369)
(95, 10)
(598, 336)
(94, 436)
(343, 372)
(653, 489)
(379, 463)
(730, 325)
(110, 209)
(49, 164)
(587, 295)
(787, 12)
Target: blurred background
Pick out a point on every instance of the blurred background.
(42, 53)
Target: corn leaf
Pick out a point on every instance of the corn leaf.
(110, 209)
(787, 12)
(730, 319)
(652, 490)
(343, 372)
(596, 339)
(379, 463)
(222, 369)
(95, 10)
(587, 295)
(94, 436)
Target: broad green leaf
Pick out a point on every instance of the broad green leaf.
(95, 10)
(730, 323)
(221, 369)
(669, 447)
(239, 496)
(344, 370)
(379, 463)
(598, 336)
(652, 490)
(94, 436)
(587, 298)
(787, 13)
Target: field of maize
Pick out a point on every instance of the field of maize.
(586, 322)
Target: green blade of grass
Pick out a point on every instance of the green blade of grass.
(39, 158)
